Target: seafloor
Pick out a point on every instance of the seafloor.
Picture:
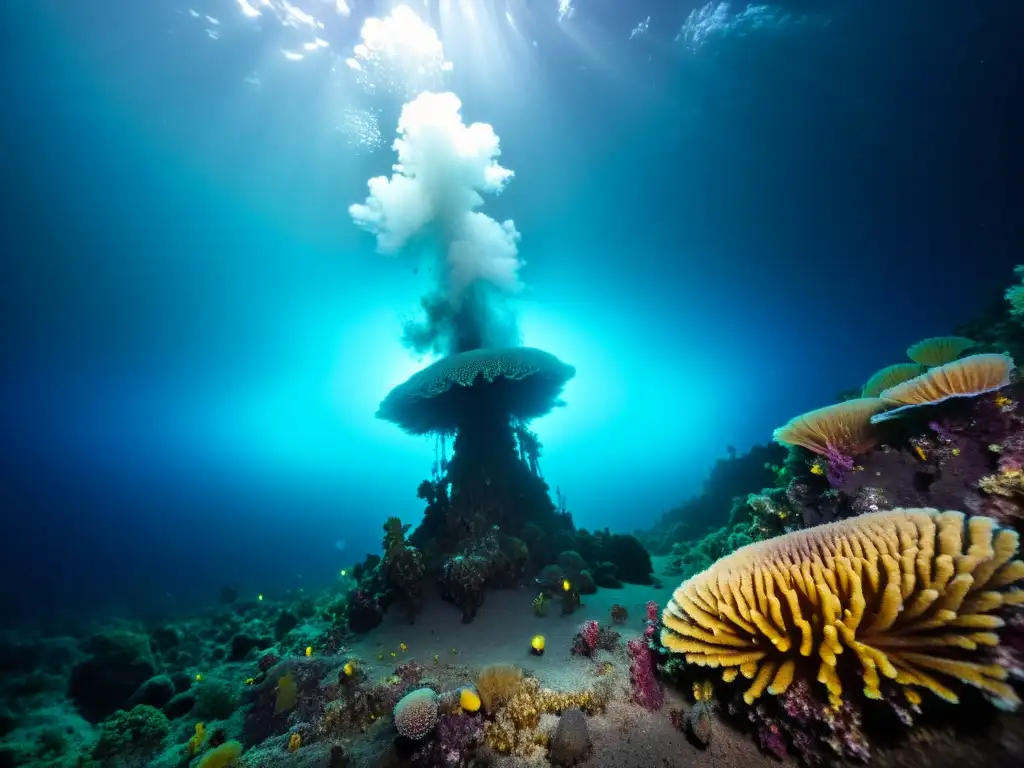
(894, 542)
(452, 653)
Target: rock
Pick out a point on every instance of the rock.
(180, 705)
(117, 665)
(156, 692)
(570, 743)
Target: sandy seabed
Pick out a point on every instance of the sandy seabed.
(624, 736)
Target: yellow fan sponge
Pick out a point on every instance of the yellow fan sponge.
(890, 376)
(910, 594)
(939, 350)
(968, 377)
(844, 427)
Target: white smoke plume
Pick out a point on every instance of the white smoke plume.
(443, 170)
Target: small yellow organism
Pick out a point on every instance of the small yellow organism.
(199, 677)
(469, 700)
(259, 597)
(956, 451)
(393, 653)
(250, 680)
(380, 657)
(309, 650)
(920, 453)
(294, 742)
(817, 469)
(403, 647)
(537, 644)
(437, 658)
(197, 739)
(703, 691)
(566, 585)
(344, 572)
(349, 669)
(1002, 401)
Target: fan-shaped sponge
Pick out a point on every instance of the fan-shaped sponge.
(416, 713)
(909, 592)
(939, 350)
(890, 376)
(971, 376)
(844, 427)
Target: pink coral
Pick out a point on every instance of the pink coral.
(587, 638)
(652, 611)
(646, 690)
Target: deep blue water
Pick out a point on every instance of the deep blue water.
(717, 233)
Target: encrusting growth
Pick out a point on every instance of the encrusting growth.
(909, 592)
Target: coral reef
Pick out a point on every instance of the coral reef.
(416, 713)
(899, 589)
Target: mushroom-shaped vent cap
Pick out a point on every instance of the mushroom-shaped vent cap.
(518, 382)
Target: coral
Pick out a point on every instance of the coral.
(700, 721)
(364, 611)
(457, 737)
(394, 535)
(652, 610)
(570, 742)
(939, 350)
(416, 714)
(293, 691)
(905, 591)
(134, 734)
(1015, 294)
(513, 727)
(588, 633)
(820, 734)
(462, 582)
(646, 690)
(837, 432)
(215, 699)
(496, 684)
(969, 377)
(890, 376)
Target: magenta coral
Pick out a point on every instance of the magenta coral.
(652, 611)
(587, 639)
(646, 690)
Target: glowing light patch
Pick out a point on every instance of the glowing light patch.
(247, 9)
(565, 9)
(399, 53)
(292, 55)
